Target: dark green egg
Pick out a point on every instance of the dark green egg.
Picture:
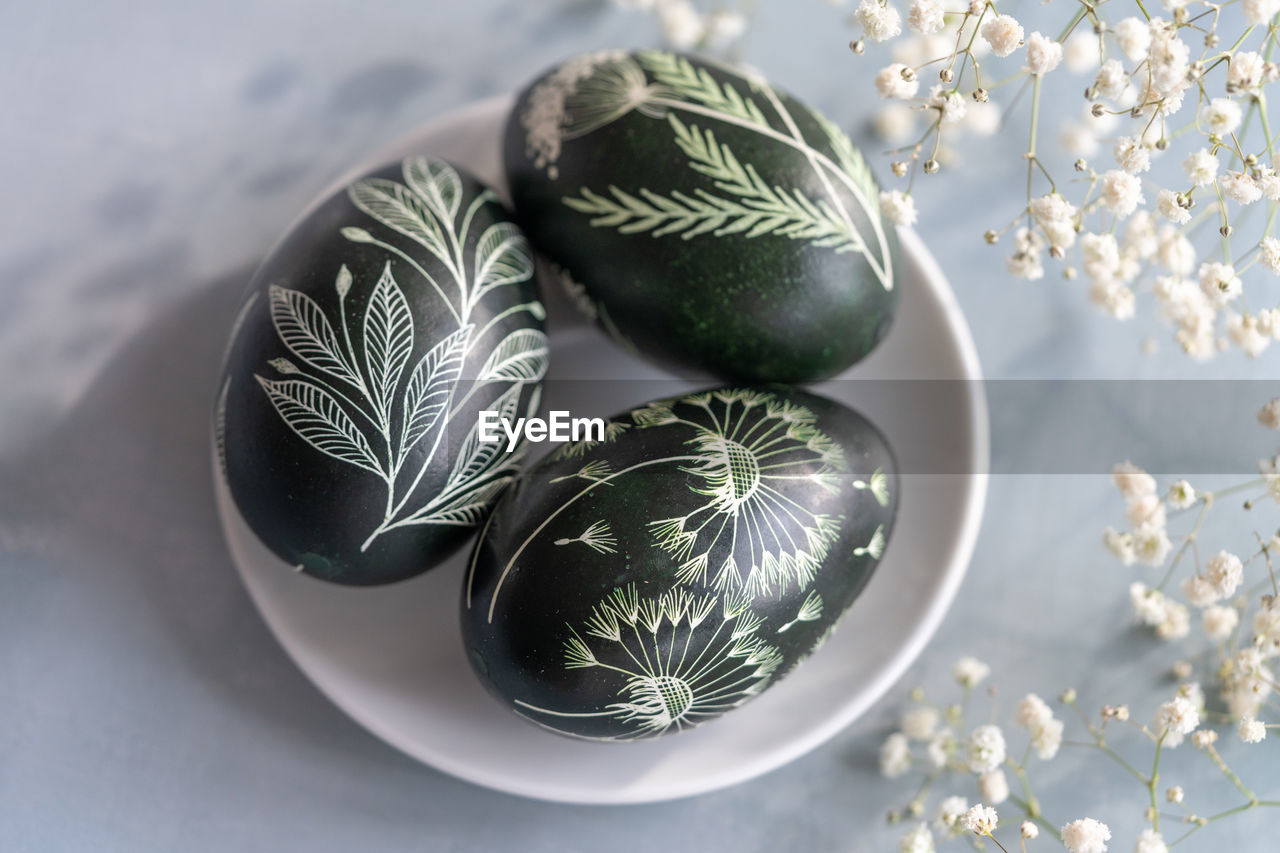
(706, 219)
(648, 582)
(370, 338)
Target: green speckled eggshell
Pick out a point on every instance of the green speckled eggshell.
(647, 583)
(370, 338)
(707, 220)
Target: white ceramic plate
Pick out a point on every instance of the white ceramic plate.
(392, 657)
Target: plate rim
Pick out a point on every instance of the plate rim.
(949, 580)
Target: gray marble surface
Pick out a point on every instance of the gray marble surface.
(151, 152)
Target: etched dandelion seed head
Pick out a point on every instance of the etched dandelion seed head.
(748, 448)
(678, 660)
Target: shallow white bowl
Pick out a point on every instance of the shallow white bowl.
(392, 657)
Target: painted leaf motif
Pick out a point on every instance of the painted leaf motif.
(318, 420)
(699, 86)
(478, 458)
(468, 510)
(850, 159)
(388, 338)
(535, 400)
(395, 206)
(430, 384)
(521, 357)
(502, 257)
(306, 332)
(437, 183)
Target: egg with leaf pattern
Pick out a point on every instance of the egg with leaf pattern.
(651, 581)
(706, 219)
(370, 338)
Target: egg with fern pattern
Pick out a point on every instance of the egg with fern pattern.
(705, 219)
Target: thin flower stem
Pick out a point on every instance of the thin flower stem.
(1074, 22)
(1026, 809)
(1031, 804)
(997, 841)
(1152, 782)
(1120, 759)
(1035, 121)
(1216, 758)
(1201, 823)
(1206, 503)
(1266, 132)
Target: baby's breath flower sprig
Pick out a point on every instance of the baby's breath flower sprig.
(1237, 595)
(1128, 228)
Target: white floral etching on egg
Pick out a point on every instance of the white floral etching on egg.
(751, 531)
(810, 610)
(591, 91)
(679, 660)
(565, 105)
(597, 537)
(356, 399)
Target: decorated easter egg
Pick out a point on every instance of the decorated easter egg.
(677, 563)
(346, 423)
(705, 218)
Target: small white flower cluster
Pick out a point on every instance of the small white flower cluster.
(1244, 676)
(1147, 540)
(933, 34)
(980, 820)
(1129, 237)
(1180, 716)
(982, 755)
(685, 28)
(1086, 836)
(1035, 715)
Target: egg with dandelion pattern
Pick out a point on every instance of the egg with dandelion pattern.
(707, 220)
(346, 425)
(645, 583)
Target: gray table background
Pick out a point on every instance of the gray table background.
(150, 152)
